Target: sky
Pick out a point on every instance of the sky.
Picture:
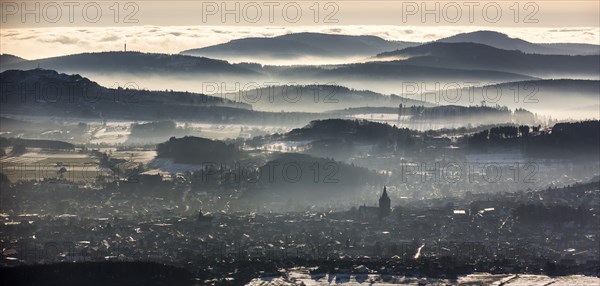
(39, 29)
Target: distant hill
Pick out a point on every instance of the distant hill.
(197, 150)
(299, 45)
(567, 86)
(424, 72)
(311, 179)
(155, 130)
(569, 98)
(50, 93)
(424, 112)
(352, 130)
(482, 57)
(179, 71)
(132, 62)
(56, 95)
(316, 98)
(44, 129)
(37, 143)
(539, 89)
(393, 71)
(566, 140)
(415, 117)
(503, 41)
(7, 59)
(343, 139)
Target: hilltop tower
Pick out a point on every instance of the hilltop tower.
(384, 204)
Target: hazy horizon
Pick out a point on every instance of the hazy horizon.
(37, 43)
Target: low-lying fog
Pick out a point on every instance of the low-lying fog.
(561, 105)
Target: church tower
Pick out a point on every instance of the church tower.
(384, 204)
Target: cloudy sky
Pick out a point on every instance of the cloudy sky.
(60, 28)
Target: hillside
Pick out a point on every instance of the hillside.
(482, 57)
(503, 41)
(57, 94)
(298, 45)
(131, 62)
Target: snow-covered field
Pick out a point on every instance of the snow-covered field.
(118, 132)
(37, 165)
(135, 156)
(302, 277)
(169, 166)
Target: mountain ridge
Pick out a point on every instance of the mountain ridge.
(132, 62)
(297, 45)
(476, 56)
(503, 41)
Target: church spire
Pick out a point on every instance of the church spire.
(384, 204)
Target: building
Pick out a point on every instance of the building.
(383, 210)
(384, 204)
